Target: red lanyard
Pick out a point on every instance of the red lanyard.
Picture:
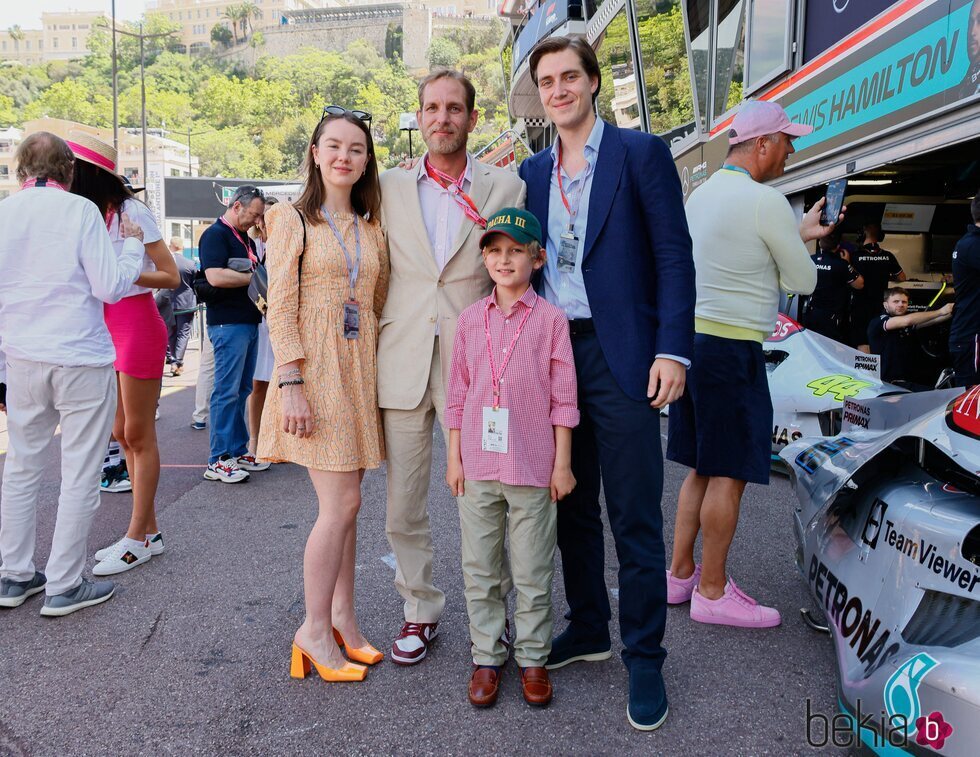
(44, 183)
(251, 255)
(108, 218)
(494, 376)
(584, 177)
(455, 189)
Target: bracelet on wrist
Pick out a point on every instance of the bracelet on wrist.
(291, 382)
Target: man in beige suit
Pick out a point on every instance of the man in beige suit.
(433, 215)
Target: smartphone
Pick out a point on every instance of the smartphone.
(835, 201)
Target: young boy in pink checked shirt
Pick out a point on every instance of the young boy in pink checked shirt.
(510, 409)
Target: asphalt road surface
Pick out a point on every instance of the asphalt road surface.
(192, 654)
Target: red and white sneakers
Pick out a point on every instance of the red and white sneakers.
(412, 644)
(733, 608)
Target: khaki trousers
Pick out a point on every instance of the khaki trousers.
(205, 380)
(487, 511)
(408, 441)
(41, 397)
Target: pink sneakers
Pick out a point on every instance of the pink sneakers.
(679, 590)
(735, 608)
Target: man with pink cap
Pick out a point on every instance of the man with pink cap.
(747, 246)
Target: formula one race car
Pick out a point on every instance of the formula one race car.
(810, 377)
(888, 531)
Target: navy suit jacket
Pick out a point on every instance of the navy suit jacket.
(637, 262)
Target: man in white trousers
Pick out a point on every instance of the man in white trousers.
(59, 268)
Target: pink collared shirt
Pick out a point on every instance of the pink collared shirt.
(538, 388)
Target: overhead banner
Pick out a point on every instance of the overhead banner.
(938, 58)
(204, 198)
(829, 21)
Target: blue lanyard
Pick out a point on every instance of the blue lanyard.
(730, 167)
(352, 269)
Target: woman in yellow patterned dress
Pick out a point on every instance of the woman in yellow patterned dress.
(322, 407)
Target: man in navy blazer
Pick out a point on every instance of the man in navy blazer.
(620, 266)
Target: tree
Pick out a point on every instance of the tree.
(393, 41)
(8, 114)
(221, 34)
(229, 152)
(16, 33)
(443, 53)
(247, 11)
(72, 101)
(238, 15)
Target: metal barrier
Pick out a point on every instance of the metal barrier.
(502, 151)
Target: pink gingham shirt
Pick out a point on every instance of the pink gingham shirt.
(538, 388)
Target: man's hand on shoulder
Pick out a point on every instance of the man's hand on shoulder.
(667, 379)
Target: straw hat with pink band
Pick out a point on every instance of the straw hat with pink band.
(101, 154)
(759, 118)
(92, 150)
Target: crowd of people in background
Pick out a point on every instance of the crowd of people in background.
(857, 302)
(543, 318)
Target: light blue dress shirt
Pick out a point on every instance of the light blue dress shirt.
(567, 290)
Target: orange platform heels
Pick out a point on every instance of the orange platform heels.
(303, 662)
(366, 654)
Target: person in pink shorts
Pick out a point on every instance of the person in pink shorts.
(139, 336)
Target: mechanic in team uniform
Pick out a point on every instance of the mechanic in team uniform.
(891, 336)
(878, 266)
(826, 309)
(964, 335)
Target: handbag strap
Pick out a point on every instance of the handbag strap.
(302, 221)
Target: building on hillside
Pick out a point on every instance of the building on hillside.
(198, 17)
(625, 104)
(62, 36)
(165, 157)
(466, 8)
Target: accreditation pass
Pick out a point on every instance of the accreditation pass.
(495, 423)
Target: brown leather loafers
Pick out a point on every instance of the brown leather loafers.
(484, 687)
(536, 685)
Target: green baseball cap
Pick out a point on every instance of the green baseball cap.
(519, 225)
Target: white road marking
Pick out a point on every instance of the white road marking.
(389, 560)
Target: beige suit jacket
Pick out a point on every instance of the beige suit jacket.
(419, 296)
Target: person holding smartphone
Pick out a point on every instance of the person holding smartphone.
(748, 245)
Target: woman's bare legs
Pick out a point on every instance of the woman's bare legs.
(136, 432)
(344, 617)
(326, 558)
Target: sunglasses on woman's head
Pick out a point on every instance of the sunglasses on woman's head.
(337, 110)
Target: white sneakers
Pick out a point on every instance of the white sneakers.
(251, 462)
(124, 555)
(153, 541)
(225, 470)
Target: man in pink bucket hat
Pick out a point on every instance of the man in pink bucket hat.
(759, 118)
(748, 245)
